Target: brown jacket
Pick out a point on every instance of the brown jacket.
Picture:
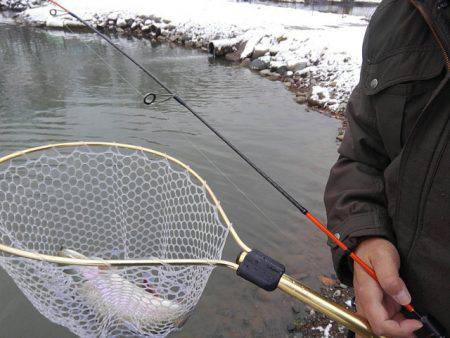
(392, 178)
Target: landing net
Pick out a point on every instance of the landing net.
(108, 203)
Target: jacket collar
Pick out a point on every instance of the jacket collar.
(434, 13)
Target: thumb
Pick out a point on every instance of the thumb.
(386, 267)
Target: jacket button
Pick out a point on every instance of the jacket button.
(374, 83)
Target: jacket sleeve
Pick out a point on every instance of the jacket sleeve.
(354, 195)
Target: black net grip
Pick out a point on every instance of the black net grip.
(261, 270)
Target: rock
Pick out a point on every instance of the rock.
(321, 95)
(275, 64)
(288, 79)
(260, 50)
(258, 64)
(296, 65)
(121, 22)
(199, 44)
(340, 137)
(265, 72)
(297, 307)
(281, 38)
(291, 327)
(249, 46)
(327, 281)
(246, 62)
(234, 56)
(343, 286)
(274, 76)
(289, 73)
(281, 70)
(101, 24)
(148, 22)
(221, 47)
(301, 99)
(304, 73)
(342, 106)
(134, 25)
(337, 293)
(312, 102)
(273, 51)
(166, 21)
(113, 16)
(287, 84)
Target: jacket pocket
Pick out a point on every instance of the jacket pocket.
(399, 83)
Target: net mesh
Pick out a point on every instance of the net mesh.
(109, 203)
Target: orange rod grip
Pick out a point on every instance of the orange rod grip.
(354, 256)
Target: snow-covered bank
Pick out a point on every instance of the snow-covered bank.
(19, 5)
(317, 55)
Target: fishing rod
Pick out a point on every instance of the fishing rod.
(151, 97)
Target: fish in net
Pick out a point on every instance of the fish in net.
(116, 240)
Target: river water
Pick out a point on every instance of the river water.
(55, 88)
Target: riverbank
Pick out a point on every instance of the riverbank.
(316, 55)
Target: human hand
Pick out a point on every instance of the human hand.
(381, 302)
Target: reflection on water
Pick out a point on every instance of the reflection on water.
(54, 88)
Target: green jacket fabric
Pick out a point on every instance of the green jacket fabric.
(392, 178)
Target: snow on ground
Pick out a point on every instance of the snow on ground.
(325, 331)
(323, 49)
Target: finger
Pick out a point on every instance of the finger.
(391, 306)
(401, 319)
(360, 312)
(369, 300)
(399, 327)
(386, 266)
(380, 311)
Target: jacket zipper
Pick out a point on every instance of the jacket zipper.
(405, 157)
(433, 30)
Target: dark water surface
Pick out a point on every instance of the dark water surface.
(54, 88)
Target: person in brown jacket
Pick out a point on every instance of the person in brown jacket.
(388, 195)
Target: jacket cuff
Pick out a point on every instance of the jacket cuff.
(353, 230)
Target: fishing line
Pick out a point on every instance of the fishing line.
(235, 186)
(150, 98)
(278, 187)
